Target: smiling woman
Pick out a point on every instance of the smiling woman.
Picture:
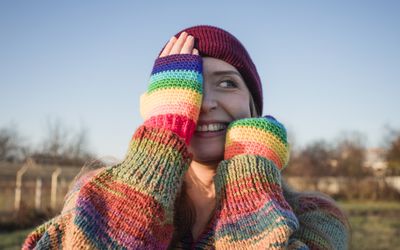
(203, 171)
(226, 98)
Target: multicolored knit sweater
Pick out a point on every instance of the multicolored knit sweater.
(131, 205)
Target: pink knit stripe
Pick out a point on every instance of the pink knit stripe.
(180, 125)
(120, 206)
(247, 147)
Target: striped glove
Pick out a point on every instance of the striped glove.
(173, 99)
(263, 136)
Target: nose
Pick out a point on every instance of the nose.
(208, 103)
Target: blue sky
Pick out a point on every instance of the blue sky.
(327, 67)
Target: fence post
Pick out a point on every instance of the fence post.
(54, 185)
(18, 184)
(38, 193)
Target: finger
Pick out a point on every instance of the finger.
(195, 52)
(168, 47)
(188, 45)
(176, 49)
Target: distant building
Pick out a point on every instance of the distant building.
(375, 159)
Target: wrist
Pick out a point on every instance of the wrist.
(246, 182)
(178, 124)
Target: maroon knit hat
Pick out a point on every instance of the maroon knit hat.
(218, 43)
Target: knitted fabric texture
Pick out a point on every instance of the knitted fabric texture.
(258, 136)
(215, 42)
(252, 210)
(131, 206)
(173, 99)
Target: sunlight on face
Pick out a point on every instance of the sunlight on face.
(226, 98)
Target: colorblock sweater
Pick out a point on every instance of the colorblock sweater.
(131, 205)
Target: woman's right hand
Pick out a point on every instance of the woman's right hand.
(173, 99)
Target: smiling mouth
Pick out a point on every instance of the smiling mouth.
(212, 127)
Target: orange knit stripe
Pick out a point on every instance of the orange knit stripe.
(259, 137)
(250, 147)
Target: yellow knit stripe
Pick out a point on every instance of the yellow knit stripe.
(173, 97)
(259, 136)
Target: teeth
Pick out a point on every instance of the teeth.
(211, 127)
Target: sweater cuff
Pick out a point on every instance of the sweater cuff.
(155, 164)
(247, 179)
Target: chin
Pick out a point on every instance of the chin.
(207, 153)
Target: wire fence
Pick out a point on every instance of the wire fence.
(43, 187)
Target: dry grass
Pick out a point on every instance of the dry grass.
(375, 225)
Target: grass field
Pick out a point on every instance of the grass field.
(13, 240)
(375, 225)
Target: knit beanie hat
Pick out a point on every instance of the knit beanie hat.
(215, 42)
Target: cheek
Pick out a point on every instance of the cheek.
(237, 106)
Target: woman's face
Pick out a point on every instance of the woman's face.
(225, 99)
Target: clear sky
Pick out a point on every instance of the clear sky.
(327, 66)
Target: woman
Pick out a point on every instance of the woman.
(203, 171)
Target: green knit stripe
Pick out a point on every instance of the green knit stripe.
(246, 166)
(264, 125)
(184, 79)
(153, 163)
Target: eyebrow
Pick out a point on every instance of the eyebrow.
(227, 72)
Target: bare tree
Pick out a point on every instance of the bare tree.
(12, 148)
(63, 146)
(313, 160)
(350, 154)
(392, 155)
(78, 145)
(56, 138)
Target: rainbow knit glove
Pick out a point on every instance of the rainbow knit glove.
(263, 136)
(173, 99)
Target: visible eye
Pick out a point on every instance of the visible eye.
(227, 84)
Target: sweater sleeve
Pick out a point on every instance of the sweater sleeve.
(322, 224)
(254, 214)
(129, 205)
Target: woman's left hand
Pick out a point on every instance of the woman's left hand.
(263, 136)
